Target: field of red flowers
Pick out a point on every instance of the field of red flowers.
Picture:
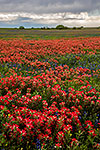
(50, 94)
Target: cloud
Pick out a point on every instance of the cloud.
(49, 6)
(8, 17)
(51, 19)
(50, 12)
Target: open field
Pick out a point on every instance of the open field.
(49, 90)
(47, 34)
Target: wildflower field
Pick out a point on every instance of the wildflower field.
(50, 94)
(37, 34)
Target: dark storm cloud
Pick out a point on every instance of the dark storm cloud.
(49, 6)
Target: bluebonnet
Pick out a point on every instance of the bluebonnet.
(73, 67)
(13, 100)
(2, 76)
(96, 122)
(55, 73)
(91, 87)
(18, 66)
(46, 60)
(67, 91)
(38, 145)
(14, 65)
(92, 74)
(33, 68)
(80, 117)
(55, 65)
(27, 69)
(56, 113)
(50, 63)
(98, 66)
(7, 64)
(36, 69)
(85, 113)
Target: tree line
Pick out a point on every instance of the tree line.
(58, 27)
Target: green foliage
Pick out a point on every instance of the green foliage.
(60, 27)
(21, 27)
(74, 28)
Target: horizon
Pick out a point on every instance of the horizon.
(52, 27)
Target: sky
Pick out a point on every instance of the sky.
(49, 13)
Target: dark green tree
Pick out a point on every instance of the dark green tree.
(74, 28)
(60, 27)
(21, 27)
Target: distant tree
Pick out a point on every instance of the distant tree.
(74, 28)
(81, 27)
(66, 27)
(47, 28)
(52, 28)
(60, 27)
(21, 27)
(43, 28)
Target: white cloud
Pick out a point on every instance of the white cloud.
(8, 17)
(65, 18)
